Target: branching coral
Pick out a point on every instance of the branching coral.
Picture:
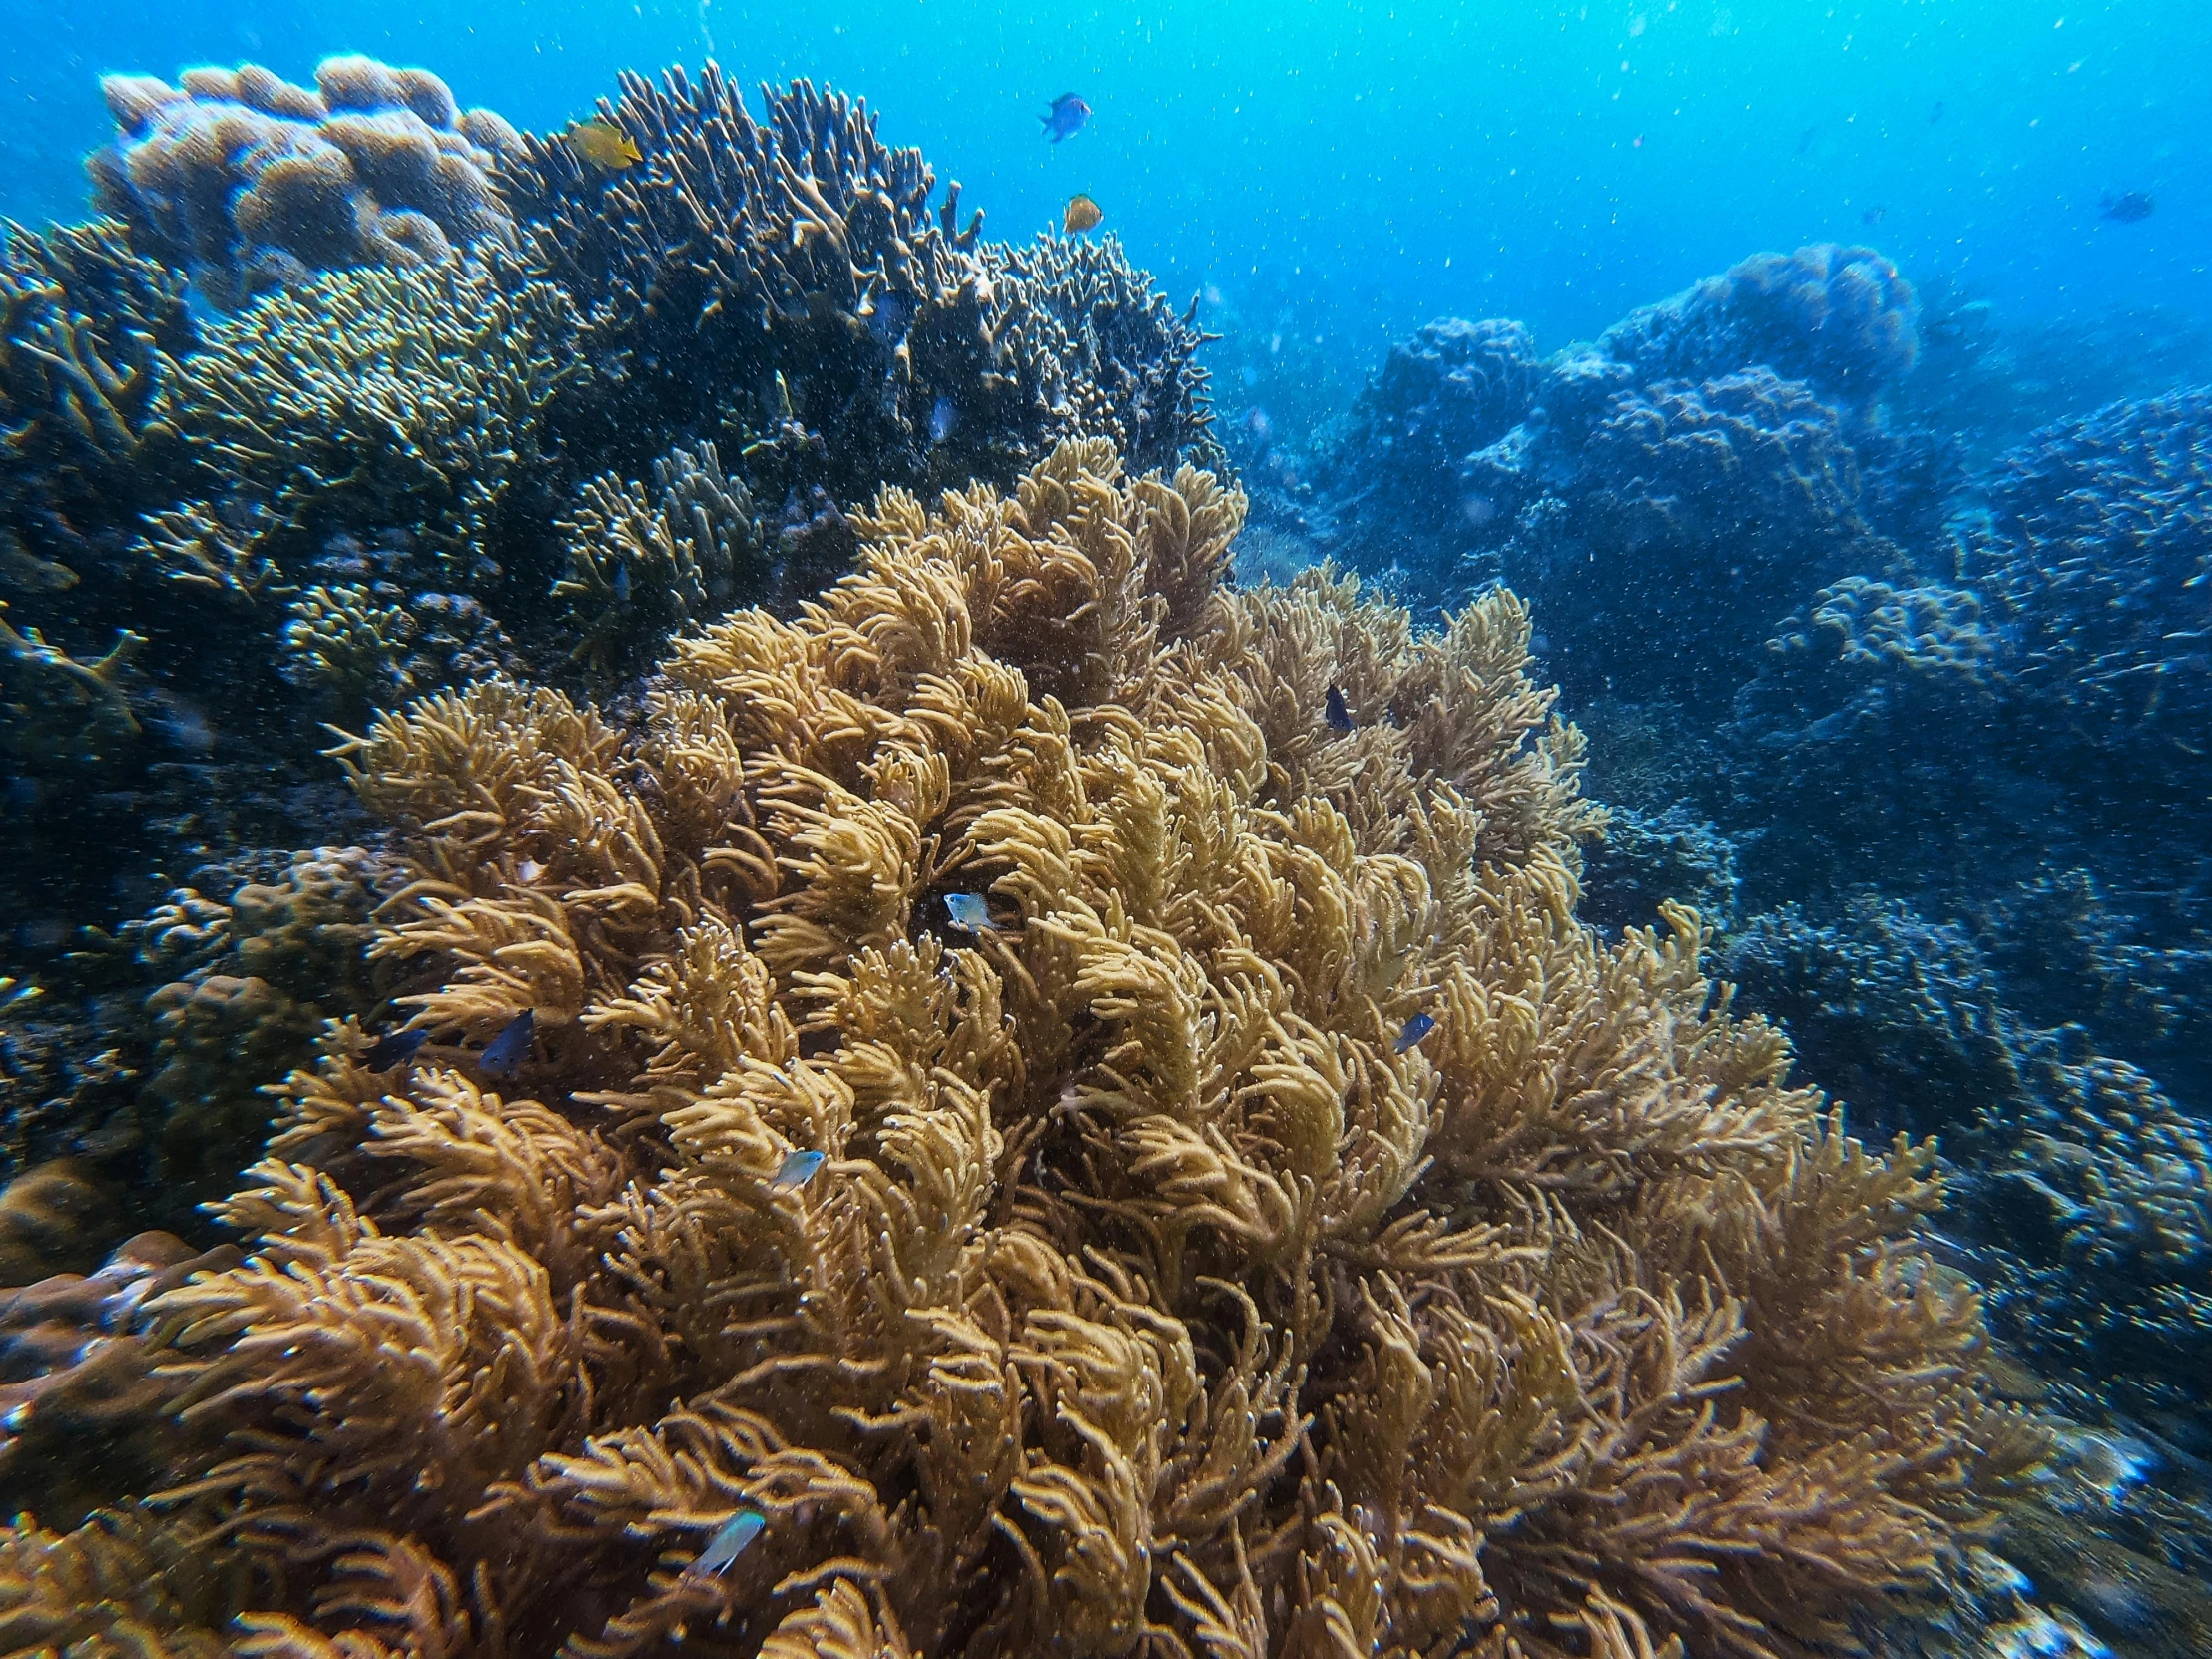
(788, 279)
(1152, 1297)
(414, 396)
(250, 183)
(641, 567)
(82, 322)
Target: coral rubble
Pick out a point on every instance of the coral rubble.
(1163, 1289)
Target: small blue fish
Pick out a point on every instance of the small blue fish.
(797, 1170)
(395, 1049)
(508, 1050)
(622, 584)
(728, 1543)
(968, 912)
(1415, 1029)
(942, 418)
(1066, 118)
(1339, 712)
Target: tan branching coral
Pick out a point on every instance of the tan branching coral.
(1161, 1289)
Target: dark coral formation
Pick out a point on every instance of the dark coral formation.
(1730, 437)
(789, 282)
(1840, 319)
(246, 182)
(473, 428)
(1150, 1297)
(147, 1085)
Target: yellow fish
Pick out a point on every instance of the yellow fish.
(603, 144)
(1083, 214)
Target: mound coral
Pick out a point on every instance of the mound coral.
(247, 181)
(1841, 319)
(1162, 1289)
(1730, 437)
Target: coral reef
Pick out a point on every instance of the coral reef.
(2085, 1192)
(1154, 1293)
(246, 182)
(471, 395)
(1732, 436)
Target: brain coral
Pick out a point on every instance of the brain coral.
(247, 181)
(1154, 1297)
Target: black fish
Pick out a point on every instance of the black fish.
(2128, 207)
(395, 1049)
(1874, 215)
(1337, 712)
(1415, 1029)
(507, 1050)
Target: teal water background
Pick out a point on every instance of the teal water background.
(1369, 164)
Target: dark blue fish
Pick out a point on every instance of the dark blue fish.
(510, 1047)
(1068, 115)
(1415, 1029)
(1337, 712)
(395, 1049)
(942, 418)
(797, 1170)
(1874, 215)
(728, 1543)
(622, 584)
(968, 912)
(1936, 113)
(2128, 207)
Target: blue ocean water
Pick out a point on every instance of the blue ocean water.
(1378, 163)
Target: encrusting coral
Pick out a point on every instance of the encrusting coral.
(1163, 1291)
